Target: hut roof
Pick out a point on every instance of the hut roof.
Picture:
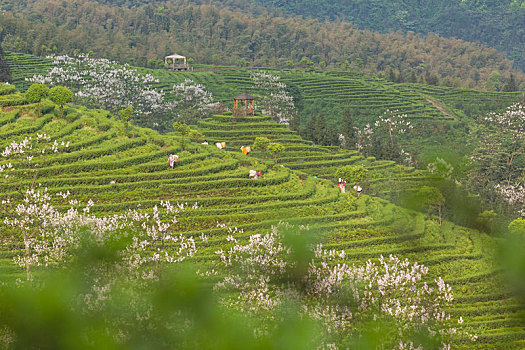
(244, 96)
(175, 56)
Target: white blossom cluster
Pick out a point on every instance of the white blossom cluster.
(394, 121)
(440, 167)
(276, 101)
(26, 150)
(407, 158)
(188, 91)
(393, 124)
(363, 137)
(50, 235)
(189, 101)
(263, 275)
(512, 120)
(101, 83)
(514, 195)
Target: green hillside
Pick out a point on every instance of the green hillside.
(443, 115)
(119, 172)
(499, 24)
(346, 89)
(217, 32)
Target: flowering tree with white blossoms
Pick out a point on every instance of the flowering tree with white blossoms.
(50, 236)
(441, 167)
(513, 195)
(101, 83)
(189, 102)
(394, 123)
(275, 99)
(340, 295)
(511, 122)
(154, 241)
(32, 213)
(364, 140)
(497, 162)
(371, 139)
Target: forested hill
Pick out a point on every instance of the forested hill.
(499, 24)
(4, 68)
(141, 33)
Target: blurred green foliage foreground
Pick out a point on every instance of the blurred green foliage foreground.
(178, 311)
(90, 304)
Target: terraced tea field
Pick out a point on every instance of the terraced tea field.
(119, 172)
(348, 89)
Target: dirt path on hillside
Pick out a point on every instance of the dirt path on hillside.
(440, 107)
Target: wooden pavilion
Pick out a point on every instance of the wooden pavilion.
(243, 105)
(176, 63)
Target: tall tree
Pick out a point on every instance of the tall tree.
(61, 96)
(145, 32)
(510, 86)
(347, 129)
(5, 71)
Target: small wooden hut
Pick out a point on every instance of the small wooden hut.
(243, 105)
(176, 63)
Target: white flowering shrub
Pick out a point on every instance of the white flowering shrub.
(497, 162)
(512, 120)
(510, 123)
(394, 123)
(340, 295)
(189, 102)
(275, 99)
(364, 138)
(50, 236)
(440, 167)
(380, 139)
(514, 195)
(101, 83)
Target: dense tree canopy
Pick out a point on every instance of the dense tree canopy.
(5, 73)
(142, 32)
(500, 24)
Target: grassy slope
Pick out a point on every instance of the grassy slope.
(218, 180)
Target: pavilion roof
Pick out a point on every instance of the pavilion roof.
(175, 56)
(244, 96)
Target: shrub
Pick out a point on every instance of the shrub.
(275, 149)
(60, 95)
(36, 93)
(353, 174)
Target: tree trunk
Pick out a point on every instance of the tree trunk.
(27, 255)
(509, 174)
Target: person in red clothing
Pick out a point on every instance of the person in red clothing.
(171, 160)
